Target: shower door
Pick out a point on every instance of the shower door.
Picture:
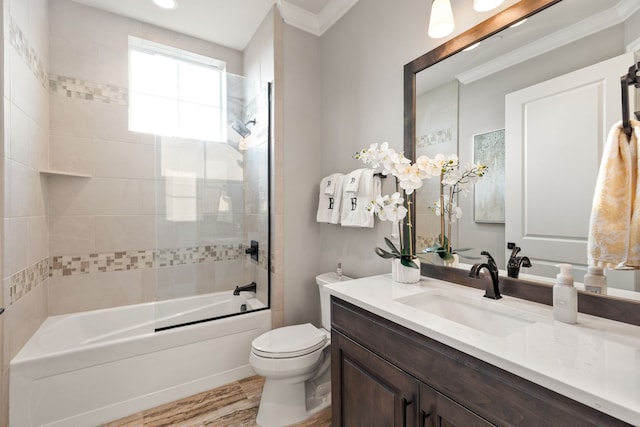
(212, 209)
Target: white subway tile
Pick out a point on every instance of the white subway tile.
(124, 160)
(122, 233)
(72, 235)
(38, 239)
(83, 292)
(15, 245)
(71, 154)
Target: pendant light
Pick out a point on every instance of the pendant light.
(166, 4)
(485, 5)
(441, 20)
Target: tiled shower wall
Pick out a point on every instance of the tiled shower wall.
(79, 243)
(108, 225)
(26, 127)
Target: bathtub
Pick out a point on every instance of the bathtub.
(84, 369)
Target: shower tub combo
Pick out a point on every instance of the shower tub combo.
(92, 367)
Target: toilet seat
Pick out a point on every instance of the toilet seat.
(289, 341)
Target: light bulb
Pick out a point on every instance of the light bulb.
(485, 5)
(166, 4)
(441, 22)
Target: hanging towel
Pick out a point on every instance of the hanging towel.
(352, 181)
(356, 199)
(329, 184)
(614, 227)
(330, 199)
(225, 209)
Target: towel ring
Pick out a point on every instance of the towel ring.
(629, 79)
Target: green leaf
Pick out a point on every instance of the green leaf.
(392, 246)
(447, 256)
(433, 249)
(384, 254)
(408, 262)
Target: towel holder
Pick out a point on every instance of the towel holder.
(629, 79)
(380, 174)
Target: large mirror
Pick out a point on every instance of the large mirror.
(535, 102)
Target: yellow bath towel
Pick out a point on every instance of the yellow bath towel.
(614, 228)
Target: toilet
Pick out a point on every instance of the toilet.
(295, 362)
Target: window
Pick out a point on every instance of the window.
(173, 92)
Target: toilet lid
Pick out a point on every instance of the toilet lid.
(289, 341)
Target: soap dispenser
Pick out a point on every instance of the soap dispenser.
(565, 296)
(595, 281)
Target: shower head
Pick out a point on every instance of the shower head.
(241, 128)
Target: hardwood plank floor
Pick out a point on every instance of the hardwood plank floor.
(234, 404)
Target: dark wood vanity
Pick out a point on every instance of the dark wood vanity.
(384, 374)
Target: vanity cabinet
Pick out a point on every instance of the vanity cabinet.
(376, 393)
(384, 374)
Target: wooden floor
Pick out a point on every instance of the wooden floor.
(234, 404)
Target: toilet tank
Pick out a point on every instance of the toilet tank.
(322, 280)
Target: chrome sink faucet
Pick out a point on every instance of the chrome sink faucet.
(492, 290)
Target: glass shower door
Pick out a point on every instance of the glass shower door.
(212, 213)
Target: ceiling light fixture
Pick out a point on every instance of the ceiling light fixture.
(441, 20)
(166, 4)
(473, 46)
(485, 5)
(518, 23)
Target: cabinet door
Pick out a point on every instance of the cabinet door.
(367, 390)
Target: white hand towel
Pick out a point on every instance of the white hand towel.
(329, 204)
(352, 181)
(355, 203)
(330, 184)
(614, 228)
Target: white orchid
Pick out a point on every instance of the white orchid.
(455, 179)
(409, 177)
(456, 211)
(389, 208)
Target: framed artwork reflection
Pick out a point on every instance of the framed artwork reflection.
(488, 202)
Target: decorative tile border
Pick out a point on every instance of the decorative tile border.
(424, 242)
(196, 255)
(71, 87)
(68, 265)
(27, 53)
(23, 282)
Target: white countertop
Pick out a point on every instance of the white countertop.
(596, 361)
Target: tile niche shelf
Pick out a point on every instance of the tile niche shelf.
(50, 172)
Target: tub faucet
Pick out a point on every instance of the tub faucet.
(251, 287)
(515, 262)
(492, 290)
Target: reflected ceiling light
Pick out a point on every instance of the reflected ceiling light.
(166, 4)
(518, 23)
(441, 20)
(473, 46)
(485, 5)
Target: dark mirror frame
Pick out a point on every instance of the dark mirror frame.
(621, 310)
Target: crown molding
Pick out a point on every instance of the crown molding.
(310, 22)
(560, 38)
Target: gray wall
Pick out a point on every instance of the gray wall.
(363, 56)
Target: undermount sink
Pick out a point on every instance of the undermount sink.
(484, 315)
